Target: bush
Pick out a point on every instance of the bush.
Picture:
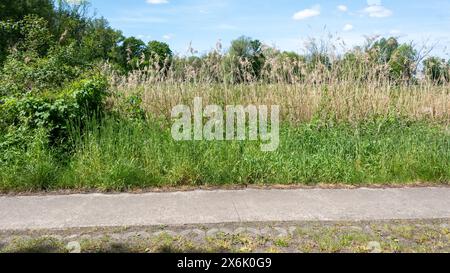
(76, 103)
(25, 73)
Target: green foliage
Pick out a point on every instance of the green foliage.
(36, 35)
(49, 102)
(400, 58)
(129, 107)
(159, 53)
(401, 64)
(53, 112)
(373, 152)
(71, 21)
(18, 9)
(247, 58)
(130, 55)
(67, 25)
(437, 70)
(28, 35)
(100, 41)
(26, 73)
(26, 162)
(382, 50)
(37, 63)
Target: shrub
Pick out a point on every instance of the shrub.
(26, 72)
(76, 103)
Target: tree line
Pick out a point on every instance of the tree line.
(47, 43)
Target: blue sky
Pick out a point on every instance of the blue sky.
(286, 24)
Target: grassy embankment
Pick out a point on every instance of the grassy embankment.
(336, 134)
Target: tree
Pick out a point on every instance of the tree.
(68, 22)
(16, 10)
(129, 55)
(71, 21)
(159, 53)
(100, 40)
(399, 58)
(33, 59)
(247, 56)
(382, 50)
(437, 70)
(31, 35)
(401, 63)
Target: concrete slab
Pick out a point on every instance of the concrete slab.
(211, 207)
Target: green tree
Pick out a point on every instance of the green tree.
(67, 22)
(401, 63)
(437, 70)
(383, 49)
(36, 62)
(71, 21)
(399, 58)
(16, 10)
(100, 40)
(247, 57)
(159, 53)
(31, 34)
(130, 54)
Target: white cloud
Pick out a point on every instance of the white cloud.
(167, 36)
(376, 9)
(348, 27)
(343, 8)
(157, 2)
(307, 13)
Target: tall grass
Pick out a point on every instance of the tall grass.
(33, 168)
(302, 103)
(125, 155)
(346, 91)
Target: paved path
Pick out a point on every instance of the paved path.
(210, 207)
